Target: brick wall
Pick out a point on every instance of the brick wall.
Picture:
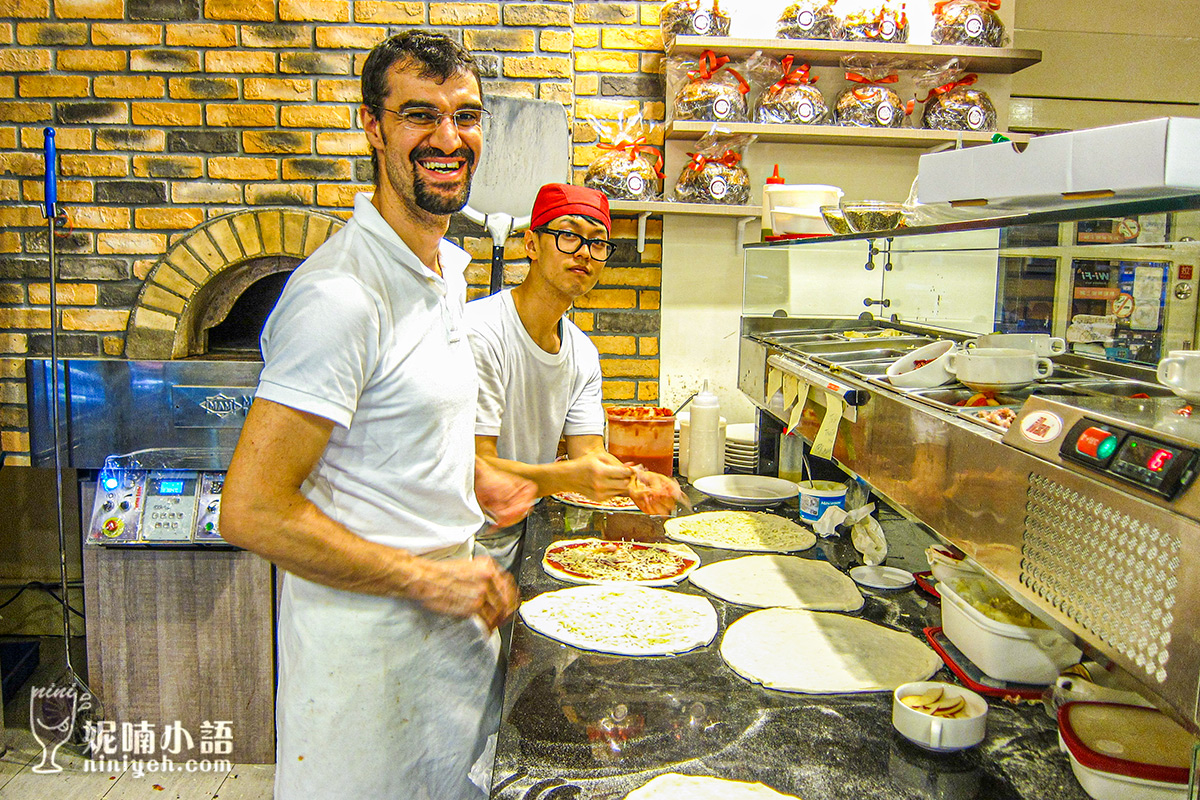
(172, 112)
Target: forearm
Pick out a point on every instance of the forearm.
(548, 478)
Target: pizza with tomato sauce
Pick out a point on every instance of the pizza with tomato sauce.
(601, 561)
(618, 503)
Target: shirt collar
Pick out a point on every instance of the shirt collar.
(452, 258)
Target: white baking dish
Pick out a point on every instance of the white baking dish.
(1002, 651)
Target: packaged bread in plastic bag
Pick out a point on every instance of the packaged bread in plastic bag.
(870, 21)
(952, 103)
(974, 23)
(793, 98)
(715, 173)
(711, 88)
(629, 169)
(870, 102)
(693, 18)
(807, 19)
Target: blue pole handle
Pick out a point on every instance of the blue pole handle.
(51, 174)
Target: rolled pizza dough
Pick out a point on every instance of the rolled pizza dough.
(673, 786)
(816, 652)
(740, 530)
(775, 581)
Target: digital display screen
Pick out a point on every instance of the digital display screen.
(1158, 459)
(170, 487)
(1151, 456)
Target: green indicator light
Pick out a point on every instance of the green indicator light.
(1105, 448)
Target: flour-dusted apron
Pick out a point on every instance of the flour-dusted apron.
(379, 698)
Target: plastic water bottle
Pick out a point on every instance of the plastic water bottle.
(704, 442)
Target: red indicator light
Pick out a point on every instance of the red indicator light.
(1096, 443)
(1159, 460)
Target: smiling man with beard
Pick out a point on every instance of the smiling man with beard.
(356, 473)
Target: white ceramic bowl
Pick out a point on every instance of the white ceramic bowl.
(902, 374)
(940, 734)
(789, 219)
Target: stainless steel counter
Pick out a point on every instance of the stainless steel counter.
(585, 725)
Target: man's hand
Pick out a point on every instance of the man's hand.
(598, 475)
(505, 497)
(653, 493)
(467, 588)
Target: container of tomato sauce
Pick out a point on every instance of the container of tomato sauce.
(642, 435)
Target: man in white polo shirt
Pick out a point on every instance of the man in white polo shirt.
(356, 470)
(539, 375)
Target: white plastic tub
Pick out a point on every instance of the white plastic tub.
(1002, 651)
(1121, 752)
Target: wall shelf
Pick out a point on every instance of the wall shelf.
(838, 134)
(643, 210)
(820, 53)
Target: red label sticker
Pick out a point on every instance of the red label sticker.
(1041, 427)
(1185, 272)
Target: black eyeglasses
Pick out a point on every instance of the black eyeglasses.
(428, 119)
(569, 242)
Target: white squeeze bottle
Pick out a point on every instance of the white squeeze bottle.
(704, 445)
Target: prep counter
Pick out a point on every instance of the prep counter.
(584, 725)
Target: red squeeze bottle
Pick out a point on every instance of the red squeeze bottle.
(773, 180)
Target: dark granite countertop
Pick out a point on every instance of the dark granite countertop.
(589, 726)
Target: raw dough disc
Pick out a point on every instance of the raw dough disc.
(775, 581)
(821, 653)
(673, 786)
(623, 619)
(740, 530)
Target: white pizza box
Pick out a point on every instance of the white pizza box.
(992, 172)
(1138, 157)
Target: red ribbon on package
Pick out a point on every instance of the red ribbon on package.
(994, 5)
(635, 147)
(854, 76)
(729, 158)
(792, 77)
(965, 80)
(709, 64)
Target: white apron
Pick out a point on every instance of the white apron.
(379, 698)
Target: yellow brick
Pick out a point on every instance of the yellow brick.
(587, 84)
(221, 232)
(238, 61)
(21, 217)
(555, 92)
(631, 39)
(651, 14)
(648, 346)
(89, 9)
(607, 298)
(155, 297)
(648, 300)
(276, 142)
(464, 14)
(245, 10)
(14, 442)
(74, 191)
(25, 60)
(11, 294)
(242, 169)
(113, 345)
(586, 38)
(126, 33)
(167, 166)
(316, 117)
(648, 391)
(626, 228)
(386, 11)
(92, 166)
(94, 319)
(128, 86)
(616, 345)
(652, 254)
(28, 164)
(605, 109)
(12, 368)
(8, 86)
(52, 33)
(92, 60)
(582, 319)
(631, 276)
(24, 318)
(338, 195)
(27, 9)
(537, 67)
(102, 217)
(556, 41)
(351, 37)
(339, 91)
(314, 10)
(52, 86)
(629, 367)
(277, 89)
(241, 115)
(68, 294)
(619, 390)
(10, 242)
(131, 242)
(525, 89)
(343, 144)
(202, 88)
(599, 61)
(262, 194)
(200, 35)
(24, 111)
(247, 233)
(654, 112)
(169, 114)
(174, 218)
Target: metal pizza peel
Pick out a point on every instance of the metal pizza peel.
(526, 143)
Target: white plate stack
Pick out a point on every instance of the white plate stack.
(741, 448)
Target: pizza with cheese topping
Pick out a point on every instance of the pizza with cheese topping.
(623, 619)
(740, 530)
(618, 503)
(600, 561)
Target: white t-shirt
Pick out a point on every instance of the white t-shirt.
(368, 337)
(529, 398)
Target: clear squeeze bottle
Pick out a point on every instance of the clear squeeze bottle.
(704, 442)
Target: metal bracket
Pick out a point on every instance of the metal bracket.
(741, 234)
(885, 303)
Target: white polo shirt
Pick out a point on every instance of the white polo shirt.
(368, 337)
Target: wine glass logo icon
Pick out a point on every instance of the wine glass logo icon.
(52, 714)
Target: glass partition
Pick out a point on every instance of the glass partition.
(1122, 286)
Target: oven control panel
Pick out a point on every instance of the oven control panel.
(1160, 467)
(156, 507)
